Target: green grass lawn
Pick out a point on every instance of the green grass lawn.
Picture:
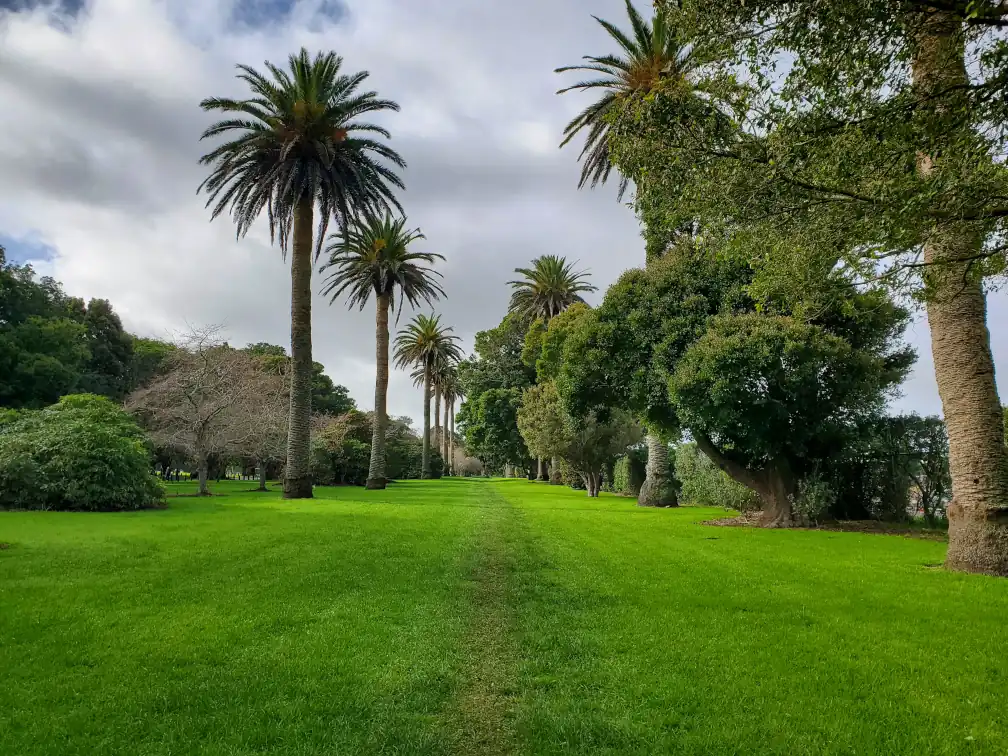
(484, 617)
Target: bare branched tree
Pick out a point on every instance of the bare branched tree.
(191, 406)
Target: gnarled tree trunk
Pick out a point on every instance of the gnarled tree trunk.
(376, 467)
(960, 341)
(203, 473)
(298, 481)
(425, 457)
(657, 490)
(775, 484)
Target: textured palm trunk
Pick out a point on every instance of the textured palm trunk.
(297, 481)
(451, 439)
(437, 419)
(444, 438)
(960, 343)
(376, 468)
(657, 489)
(425, 457)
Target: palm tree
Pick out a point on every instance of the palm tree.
(374, 257)
(299, 143)
(425, 343)
(449, 391)
(548, 288)
(441, 377)
(651, 53)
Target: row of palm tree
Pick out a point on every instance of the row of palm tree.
(300, 151)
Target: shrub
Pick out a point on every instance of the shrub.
(83, 453)
(630, 472)
(814, 500)
(704, 484)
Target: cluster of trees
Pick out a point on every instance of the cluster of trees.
(801, 169)
(52, 344)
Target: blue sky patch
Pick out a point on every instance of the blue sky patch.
(26, 249)
(261, 12)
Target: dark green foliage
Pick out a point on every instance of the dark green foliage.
(107, 371)
(83, 453)
(893, 469)
(629, 473)
(327, 398)
(497, 359)
(148, 360)
(488, 423)
(345, 465)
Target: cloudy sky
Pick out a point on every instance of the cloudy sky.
(98, 165)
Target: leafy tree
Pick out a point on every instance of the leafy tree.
(874, 150)
(328, 398)
(489, 425)
(426, 343)
(111, 352)
(496, 362)
(149, 358)
(83, 453)
(300, 144)
(548, 288)
(374, 258)
(763, 394)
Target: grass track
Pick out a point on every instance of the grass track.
(485, 617)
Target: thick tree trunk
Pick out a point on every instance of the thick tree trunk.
(775, 484)
(960, 342)
(556, 477)
(657, 489)
(376, 468)
(298, 481)
(541, 472)
(262, 475)
(203, 473)
(425, 458)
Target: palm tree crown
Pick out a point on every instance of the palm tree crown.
(426, 343)
(373, 256)
(650, 53)
(299, 138)
(548, 288)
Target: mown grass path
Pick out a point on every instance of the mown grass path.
(475, 617)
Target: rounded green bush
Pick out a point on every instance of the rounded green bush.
(83, 453)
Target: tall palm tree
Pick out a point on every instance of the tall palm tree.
(374, 257)
(298, 143)
(441, 377)
(548, 288)
(424, 342)
(449, 390)
(650, 53)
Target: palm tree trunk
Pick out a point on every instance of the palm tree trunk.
(960, 343)
(437, 419)
(425, 458)
(376, 468)
(451, 440)
(444, 436)
(298, 482)
(657, 490)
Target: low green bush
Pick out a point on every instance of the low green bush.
(704, 484)
(83, 453)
